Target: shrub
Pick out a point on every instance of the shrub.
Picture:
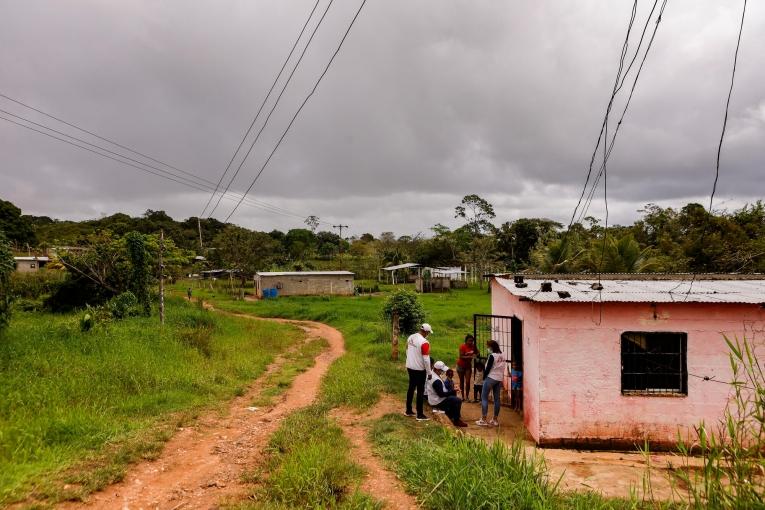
(6, 268)
(35, 285)
(124, 305)
(409, 309)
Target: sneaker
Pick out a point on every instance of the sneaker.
(422, 418)
(494, 423)
(410, 414)
(482, 423)
(438, 411)
(460, 423)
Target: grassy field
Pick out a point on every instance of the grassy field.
(358, 378)
(77, 407)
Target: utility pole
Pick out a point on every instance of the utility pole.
(199, 227)
(341, 227)
(161, 277)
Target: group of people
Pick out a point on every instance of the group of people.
(435, 380)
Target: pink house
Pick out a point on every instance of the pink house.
(635, 360)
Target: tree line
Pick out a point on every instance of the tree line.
(663, 239)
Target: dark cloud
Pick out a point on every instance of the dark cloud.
(428, 101)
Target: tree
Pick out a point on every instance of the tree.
(140, 274)
(516, 240)
(300, 243)
(622, 255)
(245, 250)
(18, 229)
(409, 309)
(477, 212)
(481, 252)
(312, 222)
(7, 266)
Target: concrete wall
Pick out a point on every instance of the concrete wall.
(572, 364)
(25, 266)
(529, 314)
(313, 285)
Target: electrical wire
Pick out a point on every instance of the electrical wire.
(146, 168)
(197, 180)
(310, 94)
(265, 99)
(276, 103)
(719, 145)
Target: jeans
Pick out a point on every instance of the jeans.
(490, 384)
(416, 381)
(452, 406)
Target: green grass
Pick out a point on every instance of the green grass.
(296, 362)
(358, 378)
(446, 470)
(78, 407)
(309, 466)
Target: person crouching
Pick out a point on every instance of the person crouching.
(440, 398)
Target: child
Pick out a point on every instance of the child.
(516, 387)
(478, 379)
(449, 381)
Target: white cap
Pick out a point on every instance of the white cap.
(426, 327)
(440, 365)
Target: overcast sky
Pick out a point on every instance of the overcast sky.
(427, 101)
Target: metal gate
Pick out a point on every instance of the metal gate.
(507, 332)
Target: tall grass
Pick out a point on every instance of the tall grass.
(445, 470)
(114, 393)
(309, 466)
(733, 472)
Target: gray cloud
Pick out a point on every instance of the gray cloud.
(428, 101)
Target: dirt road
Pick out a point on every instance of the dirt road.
(202, 465)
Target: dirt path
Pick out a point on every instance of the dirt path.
(379, 482)
(202, 464)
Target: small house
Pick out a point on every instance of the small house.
(30, 264)
(305, 283)
(614, 362)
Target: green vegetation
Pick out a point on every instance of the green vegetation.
(358, 378)
(445, 470)
(407, 306)
(6, 269)
(309, 466)
(78, 407)
(296, 362)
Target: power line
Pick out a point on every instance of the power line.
(265, 99)
(719, 145)
(164, 174)
(278, 143)
(197, 180)
(276, 103)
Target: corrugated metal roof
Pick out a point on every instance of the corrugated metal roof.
(401, 266)
(306, 273)
(642, 291)
(41, 259)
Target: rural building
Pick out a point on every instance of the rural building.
(306, 283)
(635, 360)
(30, 264)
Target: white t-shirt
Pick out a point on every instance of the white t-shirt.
(497, 371)
(418, 353)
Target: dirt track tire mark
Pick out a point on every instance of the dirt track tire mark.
(202, 464)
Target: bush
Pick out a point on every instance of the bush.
(124, 305)
(409, 309)
(6, 268)
(35, 285)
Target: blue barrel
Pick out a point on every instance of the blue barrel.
(270, 293)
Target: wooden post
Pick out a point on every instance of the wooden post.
(161, 277)
(394, 337)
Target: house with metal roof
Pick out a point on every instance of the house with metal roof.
(304, 283)
(617, 360)
(30, 264)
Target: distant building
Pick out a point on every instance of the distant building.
(630, 361)
(30, 264)
(305, 283)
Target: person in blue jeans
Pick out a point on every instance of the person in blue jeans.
(492, 383)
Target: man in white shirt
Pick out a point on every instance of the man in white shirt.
(418, 367)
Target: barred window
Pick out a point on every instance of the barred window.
(654, 363)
